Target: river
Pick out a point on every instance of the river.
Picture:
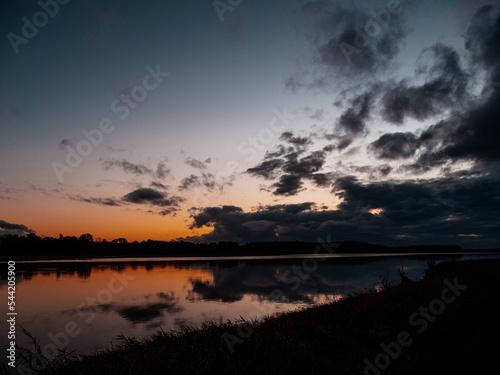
(85, 304)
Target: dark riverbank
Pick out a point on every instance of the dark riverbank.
(455, 332)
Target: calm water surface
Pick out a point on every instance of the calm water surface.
(95, 300)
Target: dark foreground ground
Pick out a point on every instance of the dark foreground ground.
(442, 328)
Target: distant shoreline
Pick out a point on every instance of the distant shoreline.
(155, 257)
(33, 247)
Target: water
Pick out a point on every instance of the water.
(86, 304)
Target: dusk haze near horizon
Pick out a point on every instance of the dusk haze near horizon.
(252, 121)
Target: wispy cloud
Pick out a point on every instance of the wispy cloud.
(100, 201)
(138, 169)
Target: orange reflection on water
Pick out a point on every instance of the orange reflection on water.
(104, 300)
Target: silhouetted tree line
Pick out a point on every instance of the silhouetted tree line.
(32, 244)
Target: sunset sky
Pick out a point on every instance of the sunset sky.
(251, 120)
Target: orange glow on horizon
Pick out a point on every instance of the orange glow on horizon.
(51, 217)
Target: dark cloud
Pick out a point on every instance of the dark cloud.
(344, 143)
(267, 169)
(430, 145)
(289, 208)
(138, 169)
(189, 182)
(471, 135)
(304, 166)
(280, 150)
(211, 215)
(162, 171)
(11, 228)
(205, 180)
(209, 182)
(352, 120)
(348, 43)
(145, 196)
(468, 137)
(477, 136)
(233, 224)
(169, 211)
(428, 208)
(459, 205)
(426, 212)
(158, 185)
(321, 179)
(468, 133)
(152, 197)
(445, 86)
(195, 163)
(425, 162)
(395, 145)
(288, 184)
(292, 167)
(371, 172)
(482, 39)
(296, 141)
(329, 148)
(65, 142)
(384, 169)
